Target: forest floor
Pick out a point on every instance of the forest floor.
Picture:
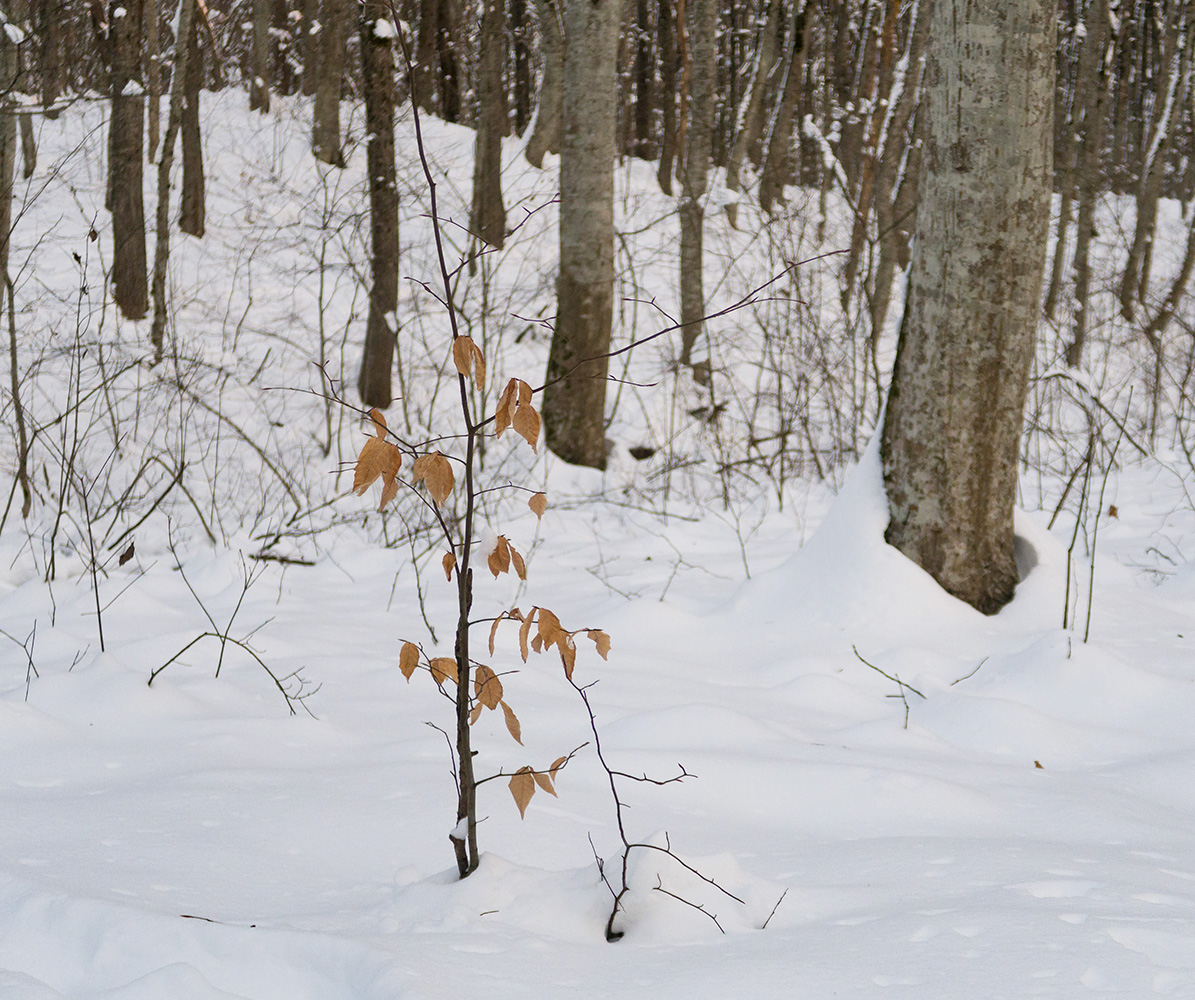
(905, 798)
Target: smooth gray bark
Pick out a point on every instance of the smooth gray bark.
(488, 216)
(545, 136)
(325, 137)
(574, 400)
(952, 429)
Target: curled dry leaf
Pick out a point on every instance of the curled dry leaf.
(379, 459)
(436, 471)
(600, 640)
(549, 628)
(512, 723)
(524, 631)
(408, 659)
(519, 565)
(443, 669)
(538, 503)
(499, 560)
(474, 714)
(522, 787)
(449, 565)
(545, 783)
(526, 424)
(468, 359)
(486, 687)
(557, 765)
(515, 410)
(506, 407)
(494, 630)
(568, 654)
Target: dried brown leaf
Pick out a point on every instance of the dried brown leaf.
(494, 631)
(474, 714)
(537, 643)
(486, 687)
(524, 393)
(568, 654)
(436, 471)
(506, 407)
(408, 659)
(519, 565)
(526, 424)
(524, 631)
(449, 565)
(600, 640)
(522, 787)
(512, 723)
(538, 503)
(545, 782)
(478, 366)
(379, 422)
(443, 668)
(499, 560)
(462, 356)
(549, 627)
(379, 459)
(557, 764)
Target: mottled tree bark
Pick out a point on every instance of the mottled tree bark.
(521, 57)
(952, 429)
(666, 27)
(259, 81)
(192, 215)
(130, 283)
(487, 219)
(574, 400)
(775, 170)
(153, 76)
(381, 331)
(545, 136)
(309, 46)
(325, 135)
(701, 18)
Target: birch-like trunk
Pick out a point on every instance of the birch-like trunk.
(574, 401)
(953, 424)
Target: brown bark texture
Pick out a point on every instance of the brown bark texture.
(126, 132)
(193, 211)
(952, 429)
(377, 64)
(488, 216)
(325, 136)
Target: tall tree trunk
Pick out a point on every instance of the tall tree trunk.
(192, 216)
(952, 428)
(488, 216)
(702, 22)
(309, 45)
(50, 54)
(325, 138)
(259, 83)
(281, 41)
(669, 54)
(545, 135)
(751, 119)
(521, 57)
(1093, 88)
(182, 50)
(574, 400)
(153, 75)
(381, 331)
(130, 285)
(644, 145)
(779, 147)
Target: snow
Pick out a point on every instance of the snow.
(1028, 831)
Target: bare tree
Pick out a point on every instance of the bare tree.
(952, 429)
(325, 138)
(574, 400)
(259, 80)
(377, 71)
(545, 136)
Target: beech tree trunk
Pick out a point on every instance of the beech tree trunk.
(952, 429)
(259, 82)
(545, 136)
(126, 133)
(381, 331)
(488, 217)
(775, 170)
(574, 400)
(192, 215)
(701, 18)
(325, 135)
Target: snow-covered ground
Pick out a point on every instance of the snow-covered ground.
(1012, 818)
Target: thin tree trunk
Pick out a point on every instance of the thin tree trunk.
(702, 23)
(125, 145)
(381, 331)
(259, 84)
(752, 117)
(50, 57)
(310, 46)
(488, 217)
(325, 138)
(779, 148)
(1094, 89)
(182, 49)
(666, 27)
(1157, 326)
(545, 135)
(574, 399)
(951, 433)
(153, 76)
(645, 144)
(192, 216)
(522, 65)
